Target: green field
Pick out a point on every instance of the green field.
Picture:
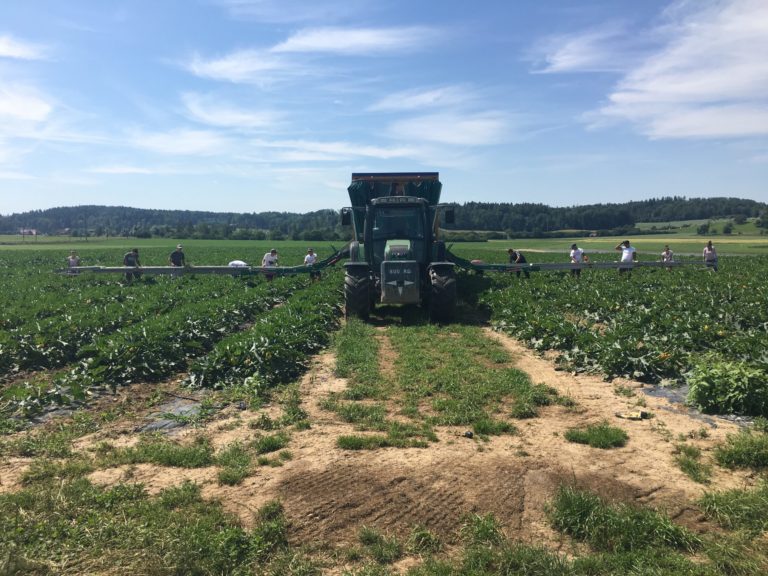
(313, 430)
(674, 332)
(687, 227)
(251, 250)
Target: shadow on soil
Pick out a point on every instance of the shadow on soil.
(469, 310)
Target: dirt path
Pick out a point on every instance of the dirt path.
(329, 493)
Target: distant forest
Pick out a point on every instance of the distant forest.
(488, 219)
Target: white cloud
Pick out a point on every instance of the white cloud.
(709, 80)
(418, 99)
(249, 66)
(209, 110)
(287, 11)
(600, 50)
(659, 121)
(357, 41)
(300, 150)
(23, 103)
(12, 48)
(15, 176)
(121, 169)
(183, 142)
(453, 129)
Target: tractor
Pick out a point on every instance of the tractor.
(395, 256)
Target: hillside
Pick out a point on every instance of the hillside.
(521, 219)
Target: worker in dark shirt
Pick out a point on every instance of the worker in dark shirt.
(516, 257)
(132, 259)
(177, 257)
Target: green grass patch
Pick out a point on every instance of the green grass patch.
(359, 442)
(440, 376)
(423, 541)
(271, 443)
(293, 413)
(477, 529)
(688, 458)
(43, 469)
(739, 509)
(235, 461)
(357, 359)
(485, 426)
(160, 451)
(367, 416)
(601, 435)
(746, 449)
(82, 528)
(616, 527)
(270, 534)
(382, 548)
(11, 425)
(275, 461)
(463, 375)
(53, 441)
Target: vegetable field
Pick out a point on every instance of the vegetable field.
(230, 425)
(688, 326)
(64, 337)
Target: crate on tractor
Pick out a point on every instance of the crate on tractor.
(396, 256)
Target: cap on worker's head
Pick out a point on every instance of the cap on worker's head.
(178, 246)
(511, 250)
(273, 250)
(309, 249)
(573, 246)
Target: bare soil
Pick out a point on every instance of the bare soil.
(329, 494)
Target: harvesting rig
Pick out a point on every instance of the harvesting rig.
(396, 256)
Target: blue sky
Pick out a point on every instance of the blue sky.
(256, 105)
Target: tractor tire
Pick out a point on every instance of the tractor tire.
(442, 297)
(357, 295)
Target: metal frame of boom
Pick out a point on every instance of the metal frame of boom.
(555, 266)
(332, 260)
(230, 270)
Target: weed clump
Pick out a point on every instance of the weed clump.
(746, 449)
(600, 435)
(689, 460)
(739, 509)
(618, 527)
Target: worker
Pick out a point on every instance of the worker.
(270, 260)
(667, 255)
(628, 256)
(73, 261)
(309, 260)
(516, 257)
(131, 258)
(710, 256)
(577, 257)
(176, 257)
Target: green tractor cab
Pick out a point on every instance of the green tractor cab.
(396, 256)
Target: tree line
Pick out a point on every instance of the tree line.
(499, 219)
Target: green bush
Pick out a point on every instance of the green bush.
(734, 387)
